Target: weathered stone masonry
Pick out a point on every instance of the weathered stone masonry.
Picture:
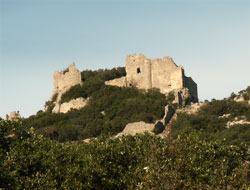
(163, 74)
(141, 72)
(63, 81)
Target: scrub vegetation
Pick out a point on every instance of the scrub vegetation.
(108, 111)
(47, 151)
(31, 161)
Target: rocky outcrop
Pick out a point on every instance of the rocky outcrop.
(142, 127)
(192, 108)
(169, 112)
(243, 96)
(136, 128)
(239, 99)
(226, 115)
(77, 103)
(238, 121)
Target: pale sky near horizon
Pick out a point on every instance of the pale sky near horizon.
(210, 38)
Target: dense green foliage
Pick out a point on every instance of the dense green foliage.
(50, 104)
(248, 90)
(207, 121)
(200, 153)
(30, 161)
(108, 111)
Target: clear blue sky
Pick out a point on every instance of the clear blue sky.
(210, 38)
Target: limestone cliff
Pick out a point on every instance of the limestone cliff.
(77, 103)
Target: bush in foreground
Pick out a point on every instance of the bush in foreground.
(30, 161)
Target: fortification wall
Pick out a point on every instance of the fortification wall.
(144, 73)
(138, 69)
(65, 79)
(121, 82)
(166, 75)
(163, 74)
(192, 86)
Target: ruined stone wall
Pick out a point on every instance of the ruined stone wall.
(121, 82)
(138, 69)
(192, 86)
(65, 79)
(166, 75)
(163, 74)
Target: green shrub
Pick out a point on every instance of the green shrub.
(103, 74)
(51, 103)
(119, 105)
(30, 161)
(212, 126)
(93, 80)
(171, 97)
(246, 96)
(233, 95)
(236, 134)
(248, 90)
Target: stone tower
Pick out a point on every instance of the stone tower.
(138, 69)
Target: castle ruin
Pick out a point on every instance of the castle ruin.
(63, 81)
(66, 79)
(141, 72)
(14, 116)
(163, 74)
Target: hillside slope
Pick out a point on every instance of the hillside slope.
(108, 111)
(205, 149)
(110, 108)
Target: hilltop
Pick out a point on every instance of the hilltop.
(105, 102)
(187, 144)
(90, 103)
